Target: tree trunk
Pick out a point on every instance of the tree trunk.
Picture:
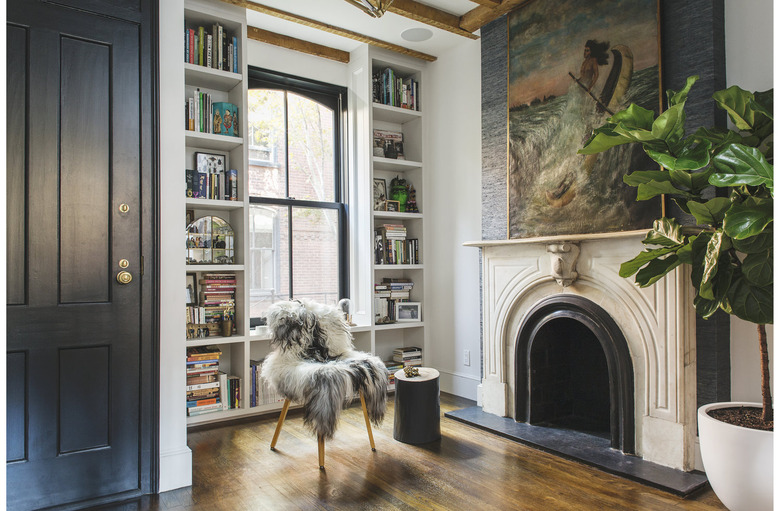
(766, 396)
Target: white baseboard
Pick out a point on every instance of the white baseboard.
(175, 469)
(463, 385)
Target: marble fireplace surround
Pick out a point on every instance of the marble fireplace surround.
(658, 324)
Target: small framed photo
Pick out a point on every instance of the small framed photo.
(190, 216)
(192, 289)
(407, 312)
(393, 205)
(209, 163)
(380, 194)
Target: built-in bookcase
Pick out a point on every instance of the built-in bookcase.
(369, 115)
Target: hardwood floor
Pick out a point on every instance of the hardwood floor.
(234, 469)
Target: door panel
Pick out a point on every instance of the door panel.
(77, 341)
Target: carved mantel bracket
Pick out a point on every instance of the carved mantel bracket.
(563, 261)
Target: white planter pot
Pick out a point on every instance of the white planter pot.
(738, 461)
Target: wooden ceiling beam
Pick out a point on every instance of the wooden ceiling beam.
(332, 29)
(482, 15)
(430, 16)
(292, 43)
(487, 3)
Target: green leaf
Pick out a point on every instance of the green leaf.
(705, 308)
(639, 177)
(635, 117)
(748, 218)
(754, 244)
(670, 125)
(718, 137)
(686, 252)
(665, 232)
(675, 98)
(742, 165)
(750, 302)
(710, 212)
(757, 268)
(690, 157)
(603, 138)
(765, 102)
(735, 101)
(630, 267)
(710, 270)
(656, 269)
(654, 188)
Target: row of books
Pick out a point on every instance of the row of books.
(408, 356)
(218, 185)
(387, 294)
(215, 48)
(260, 391)
(392, 367)
(203, 115)
(391, 89)
(392, 247)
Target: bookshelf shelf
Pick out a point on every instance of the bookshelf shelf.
(395, 215)
(212, 141)
(214, 268)
(209, 78)
(221, 205)
(399, 326)
(395, 114)
(394, 165)
(392, 267)
(208, 341)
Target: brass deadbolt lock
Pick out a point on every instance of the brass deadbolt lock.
(124, 277)
(124, 208)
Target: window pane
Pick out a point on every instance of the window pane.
(316, 254)
(269, 254)
(311, 142)
(267, 145)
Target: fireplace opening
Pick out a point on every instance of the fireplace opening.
(573, 371)
(569, 379)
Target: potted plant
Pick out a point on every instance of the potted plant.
(729, 252)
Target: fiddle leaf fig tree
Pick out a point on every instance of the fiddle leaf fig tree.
(730, 249)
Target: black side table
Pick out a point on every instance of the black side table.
(417, 417)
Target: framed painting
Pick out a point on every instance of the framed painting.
(571, 65)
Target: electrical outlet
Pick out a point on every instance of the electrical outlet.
(466, 358)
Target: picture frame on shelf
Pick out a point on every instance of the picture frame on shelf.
(393, 205)
(192, 289)
(408, 312)
(210, 163)
(380, 194)
(190, 216)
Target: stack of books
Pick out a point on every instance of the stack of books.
(261, 392)
(392, 367)
(387, 294)
(203, 380)
(392, 247)
(410, 356)
(218, 300)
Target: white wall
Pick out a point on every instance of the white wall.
(453, 168)
(295, 63)
(749, 64)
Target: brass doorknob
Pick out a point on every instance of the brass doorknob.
(124, 277)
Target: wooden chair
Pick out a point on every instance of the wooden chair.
(321, 438)
(313, 362)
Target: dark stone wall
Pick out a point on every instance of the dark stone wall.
(692, 42)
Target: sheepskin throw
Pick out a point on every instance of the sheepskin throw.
(315, 363)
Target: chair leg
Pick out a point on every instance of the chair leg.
(279, 424)
(321, 451)
(368, 422)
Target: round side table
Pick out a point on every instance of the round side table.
(417, 417)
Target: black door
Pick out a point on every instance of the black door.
(79, 172)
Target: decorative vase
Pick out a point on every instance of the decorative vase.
(737, 460)
(227, 327)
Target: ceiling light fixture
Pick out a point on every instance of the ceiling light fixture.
(374, 8)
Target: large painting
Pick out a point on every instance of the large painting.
(572, 63)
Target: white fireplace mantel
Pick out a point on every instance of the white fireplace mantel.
(658, 323)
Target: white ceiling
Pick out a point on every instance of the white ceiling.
(343, 15)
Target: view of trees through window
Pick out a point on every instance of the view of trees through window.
(296, 214)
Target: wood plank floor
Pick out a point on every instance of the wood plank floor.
(234, 469)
